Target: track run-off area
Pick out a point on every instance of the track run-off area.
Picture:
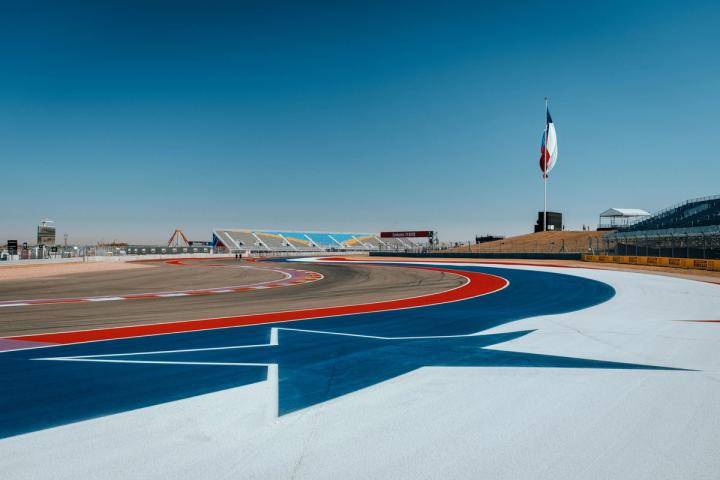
(390, 369)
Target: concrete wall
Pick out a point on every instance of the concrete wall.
(119, 258)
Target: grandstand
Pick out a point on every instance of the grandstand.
(273, 241)
(699, 212)
(288, 242)
(238, 240)
(373, 243)
(398, 243)
(690, 229)
(324, 241)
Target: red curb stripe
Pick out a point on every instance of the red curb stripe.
(478, 284)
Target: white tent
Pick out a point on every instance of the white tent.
(619, 217)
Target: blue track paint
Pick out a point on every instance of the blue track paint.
(313, 366)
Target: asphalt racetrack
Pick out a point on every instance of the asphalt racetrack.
(341, 369)
(340, 285)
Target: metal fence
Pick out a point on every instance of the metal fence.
(159, 250)
(699, 242)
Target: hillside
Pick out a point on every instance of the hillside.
(542, 242)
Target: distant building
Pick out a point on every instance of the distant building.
(554, 221)
(46, 233)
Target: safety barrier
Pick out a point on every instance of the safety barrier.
(696, 263)
(106, 259)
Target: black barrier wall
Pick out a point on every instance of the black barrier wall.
(160, 250)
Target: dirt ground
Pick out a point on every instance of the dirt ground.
(23, 272)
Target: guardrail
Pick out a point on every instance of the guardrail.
(692, 263)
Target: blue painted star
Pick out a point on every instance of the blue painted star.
(316, 366)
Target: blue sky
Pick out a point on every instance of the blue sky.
(125, 120)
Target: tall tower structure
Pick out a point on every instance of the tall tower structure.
(46, 233)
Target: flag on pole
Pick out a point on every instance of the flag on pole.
(548, 148)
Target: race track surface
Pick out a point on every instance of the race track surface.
(340, 285)
(404, 370)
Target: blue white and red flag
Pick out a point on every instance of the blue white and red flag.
(548, 148)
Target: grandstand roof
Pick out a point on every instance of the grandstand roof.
(625, 212)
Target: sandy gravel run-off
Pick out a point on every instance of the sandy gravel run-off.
(22, 272)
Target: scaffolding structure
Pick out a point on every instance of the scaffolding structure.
(177, 237)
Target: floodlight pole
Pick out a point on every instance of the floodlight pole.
(545, 207)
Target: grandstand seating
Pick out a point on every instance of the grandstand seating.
(286, 241)
(295, 240)
(274, 241)
(324, 240)
(372, 243)
(396, 244)
(349, 240)
(699, 212)
(355, 241)
(239, 239)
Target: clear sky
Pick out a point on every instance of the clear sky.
(126, 119)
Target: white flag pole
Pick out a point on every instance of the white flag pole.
(545, 164)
